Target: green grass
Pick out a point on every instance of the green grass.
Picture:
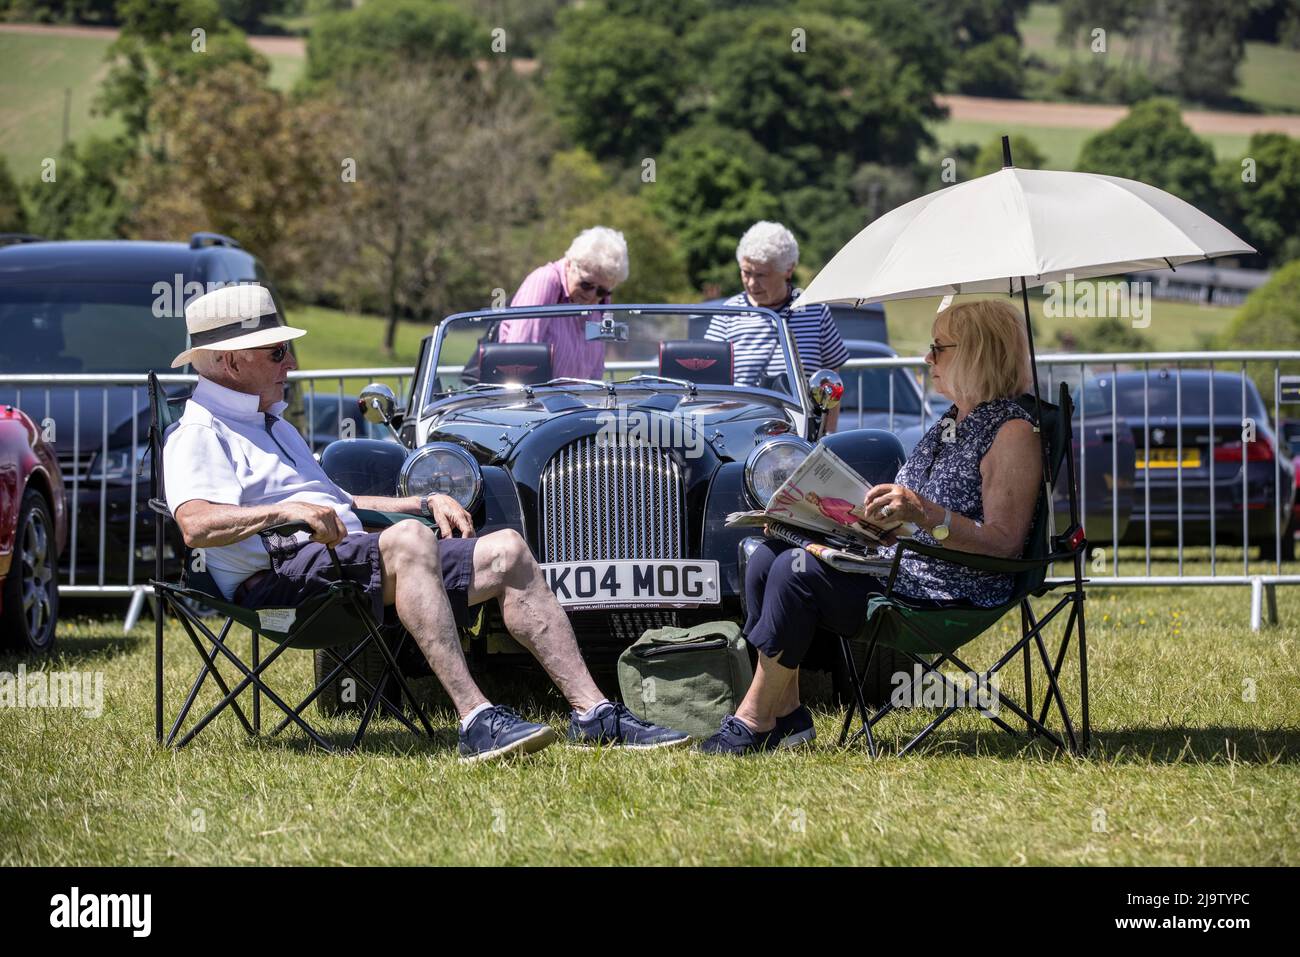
(1184, 772)
(1174, 325)
(345, 340)
(35, 71)
(1059, 145)
(1269, 75)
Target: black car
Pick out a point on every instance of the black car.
(104, 308)
(330, 416)
(620, 485)
(1210, 453)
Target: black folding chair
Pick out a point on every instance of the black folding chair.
(340, 618)
(930, 637)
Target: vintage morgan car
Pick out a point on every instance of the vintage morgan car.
(619, 477)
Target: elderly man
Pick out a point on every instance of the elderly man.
(234, 468)
(767, 255)
(593, 266)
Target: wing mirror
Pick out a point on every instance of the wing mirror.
(825, 389)
(378, 405)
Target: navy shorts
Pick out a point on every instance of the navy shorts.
(299, 573)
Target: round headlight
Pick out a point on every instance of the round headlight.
(769, 465)
(442, 468)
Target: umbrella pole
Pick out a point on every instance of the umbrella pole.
(1038, 400)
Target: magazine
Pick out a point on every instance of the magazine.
(824, 496)
(844, 557)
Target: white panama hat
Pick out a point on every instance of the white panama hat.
(232, 318)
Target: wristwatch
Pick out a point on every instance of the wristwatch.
(944, 528)
(424, 508)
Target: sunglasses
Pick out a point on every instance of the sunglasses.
(277, 352)
(601, 291)
(935, 348)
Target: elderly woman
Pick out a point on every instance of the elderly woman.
(970, 484)
(767, 255)
(595, 263)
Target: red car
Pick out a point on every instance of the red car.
(33, 531)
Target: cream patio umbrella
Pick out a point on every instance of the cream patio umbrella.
(1015, 229)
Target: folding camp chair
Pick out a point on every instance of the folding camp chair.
(330, 621)
(930, 637)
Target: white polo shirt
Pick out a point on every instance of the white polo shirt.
(224, 451)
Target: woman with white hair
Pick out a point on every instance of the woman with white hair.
(767, 255)
(970, 484)
(594, 265)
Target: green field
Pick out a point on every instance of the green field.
(1269, 75)
(35, 72)
(1060, 145)
(1196, 724)
(1174, 326)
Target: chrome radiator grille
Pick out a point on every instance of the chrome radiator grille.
(611, 499)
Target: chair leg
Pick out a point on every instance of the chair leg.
(1025, 614)
(250, 677)
(1080, 599)
(402, 685)
(257, 692)
(209, 667)
(1002, 699)
(857, 682)
(343, 664)
(158, 671)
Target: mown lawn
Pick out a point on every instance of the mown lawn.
(1174, 325)
(35, 72)
(1195, 718)
(1269, 75)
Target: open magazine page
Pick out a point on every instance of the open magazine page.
(822, 495)
(819, 508)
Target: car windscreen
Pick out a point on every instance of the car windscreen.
(734, 349)
(1162, 395)
(86, 328)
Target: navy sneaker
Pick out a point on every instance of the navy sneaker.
(499, 732)
(736, 737)
(615, 725)
(795, 728)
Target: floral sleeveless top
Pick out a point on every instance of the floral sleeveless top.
(945, 468)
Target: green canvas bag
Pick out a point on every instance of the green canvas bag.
(687, 679)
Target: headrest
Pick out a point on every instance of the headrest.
(697, 360)
(524, 362)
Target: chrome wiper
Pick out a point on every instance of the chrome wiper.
(685, 384)
(573, 380)
(488, 386)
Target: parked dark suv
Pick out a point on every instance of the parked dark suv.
(104, 308)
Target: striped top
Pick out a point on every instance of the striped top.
(756, 351)
(575, 355)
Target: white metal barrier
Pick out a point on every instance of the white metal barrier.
(33, 394)
(105, 566)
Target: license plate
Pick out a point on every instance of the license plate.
(662, 583)
(1168, 459)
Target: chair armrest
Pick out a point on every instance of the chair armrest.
(286, 528)
(987, 563)
(373, 519)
